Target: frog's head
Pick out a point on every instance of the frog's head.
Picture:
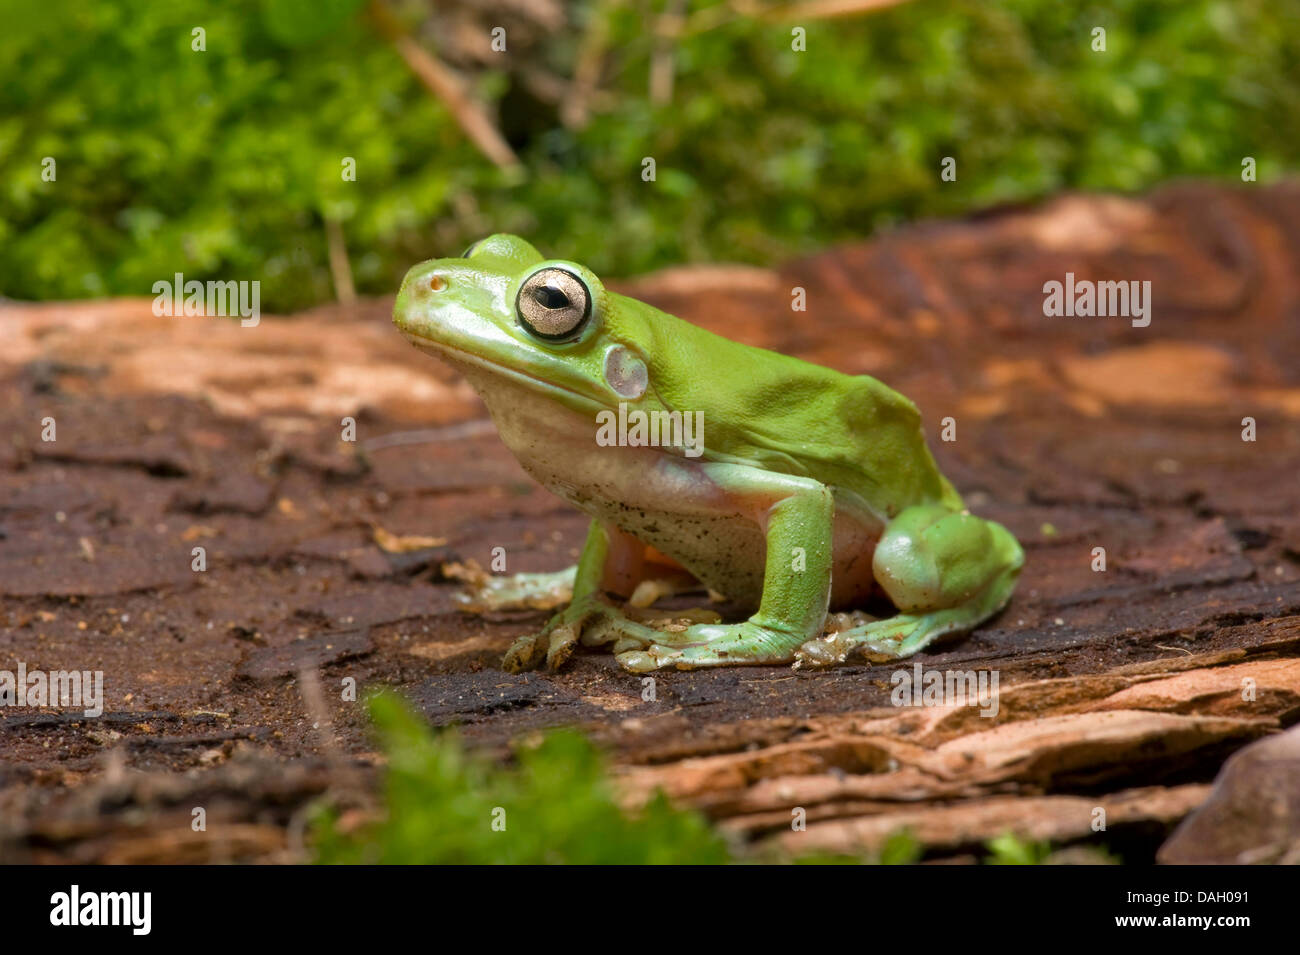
(502, 309)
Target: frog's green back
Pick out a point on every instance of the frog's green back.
(798, 418)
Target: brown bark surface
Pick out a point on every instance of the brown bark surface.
(1123, 690)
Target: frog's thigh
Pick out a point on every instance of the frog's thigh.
(797, 516)
(931, 558)
(946, 571)
(634, 571)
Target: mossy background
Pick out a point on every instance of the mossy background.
(227, 163)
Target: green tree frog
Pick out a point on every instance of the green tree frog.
(789, 488)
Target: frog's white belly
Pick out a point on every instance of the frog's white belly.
(663, 498)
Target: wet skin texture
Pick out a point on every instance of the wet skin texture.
(810, 490)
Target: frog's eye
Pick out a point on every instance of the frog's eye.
(553, 304)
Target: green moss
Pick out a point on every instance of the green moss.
(445, 804)
(225, 163)
(1008, 849)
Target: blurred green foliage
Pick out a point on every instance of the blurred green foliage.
(558, 807)
(1008, 849)
(226, 163)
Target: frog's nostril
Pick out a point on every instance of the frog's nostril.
(437, 283)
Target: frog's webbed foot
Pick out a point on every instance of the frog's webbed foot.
(709, 645)
(589, 620)
(484, 593)
(882, 640)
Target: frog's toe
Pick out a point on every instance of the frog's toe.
(640, 661)
(526, 653)
(554, 645)
(653, 656)
(820, 652)
(880, 641)
(610, 626)
(834, 649)
(560, 645)
(710, 645)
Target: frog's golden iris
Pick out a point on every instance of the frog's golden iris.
(553, 304)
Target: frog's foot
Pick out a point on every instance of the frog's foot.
(516, 592)
(711, 645)
(669, 622)
(882, 640)
(589, 620)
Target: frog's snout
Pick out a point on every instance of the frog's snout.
(425, 278)
(417, 295)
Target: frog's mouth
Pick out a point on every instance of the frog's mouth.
(458, 356)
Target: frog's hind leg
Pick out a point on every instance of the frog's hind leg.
(946, 571)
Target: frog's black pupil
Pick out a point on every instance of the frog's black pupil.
(548, 296)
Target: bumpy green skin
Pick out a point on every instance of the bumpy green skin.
(812, 484)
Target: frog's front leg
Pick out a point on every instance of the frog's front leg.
(798, 516)
(606, 555)
(946, 571)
